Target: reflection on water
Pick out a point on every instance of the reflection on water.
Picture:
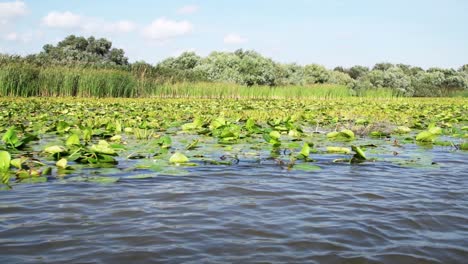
(371, 213)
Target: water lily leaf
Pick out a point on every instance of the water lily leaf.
(341, 150)
(333, 134)
(47, 171)
(73, 140)
(305, 151)
(55, 149)
(141, 176)
(347, 133)
(426, 136)
(378, 134)
(192, 145)
(178, 158)
(402, 130)
(11, 137)
(21, 174)
(103, 147)
(104, 158)
(5, 160)
(435, 130)
(18, 163)
(95, 179)
(62, 163)
(196, 124)
(360, 155)
(218, 122)
(464, 146)
(275, 135)
(62, 127)
(306, 167)
(165, 141)
(87, 134)
(116, 138)
(30, 180)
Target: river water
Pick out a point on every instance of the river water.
(377, 212)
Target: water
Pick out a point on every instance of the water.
(247, 213)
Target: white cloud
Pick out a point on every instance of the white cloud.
(69, 20)
(24, 37)
(62, 20)
(234, 38)
(163, 29)
(9, 10)
(11, 36)
(188, 9)
(123, 26)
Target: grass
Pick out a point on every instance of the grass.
(24, 80)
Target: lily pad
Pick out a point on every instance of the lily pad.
(178, 158)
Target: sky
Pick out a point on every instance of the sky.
(425, 33)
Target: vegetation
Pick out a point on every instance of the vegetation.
(79, 66)
(50, 139)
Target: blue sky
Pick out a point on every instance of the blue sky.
(334, 32)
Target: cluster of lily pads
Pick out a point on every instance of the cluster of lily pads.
(65, 138)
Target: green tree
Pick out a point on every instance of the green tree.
(73, 50)
(358, 71)
(314, 73)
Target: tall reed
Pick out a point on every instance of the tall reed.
(23, 80)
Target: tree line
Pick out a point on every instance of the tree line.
(246, 67)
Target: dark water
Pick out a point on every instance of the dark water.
(248, 213)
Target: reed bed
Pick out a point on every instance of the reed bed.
(25, 80)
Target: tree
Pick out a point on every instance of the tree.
(393, 78)
(383, 66)
(80, 50)
(314, 73)
(338, 77)
(289, 74)
(358, 71)
(185, 61)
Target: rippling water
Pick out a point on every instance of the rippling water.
(369, 213)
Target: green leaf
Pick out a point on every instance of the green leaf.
(426, 136)
(103, 147)
(55, 149)
(338, 150)
(333, 134)
(275, 134)
(11, 137)
(62, 163)
(402, 130)
(435, 130)
(192, 145)
(165, 141)
(306, 167)
(95, 179)
(31, 180)
(18, 163)
(116, 138)
(347, 133)
(62, 127)
(218, 122)
(178, 158)
(359, 153)
(73, 140)
(5, 160)
(305, 151)
(344, 135)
